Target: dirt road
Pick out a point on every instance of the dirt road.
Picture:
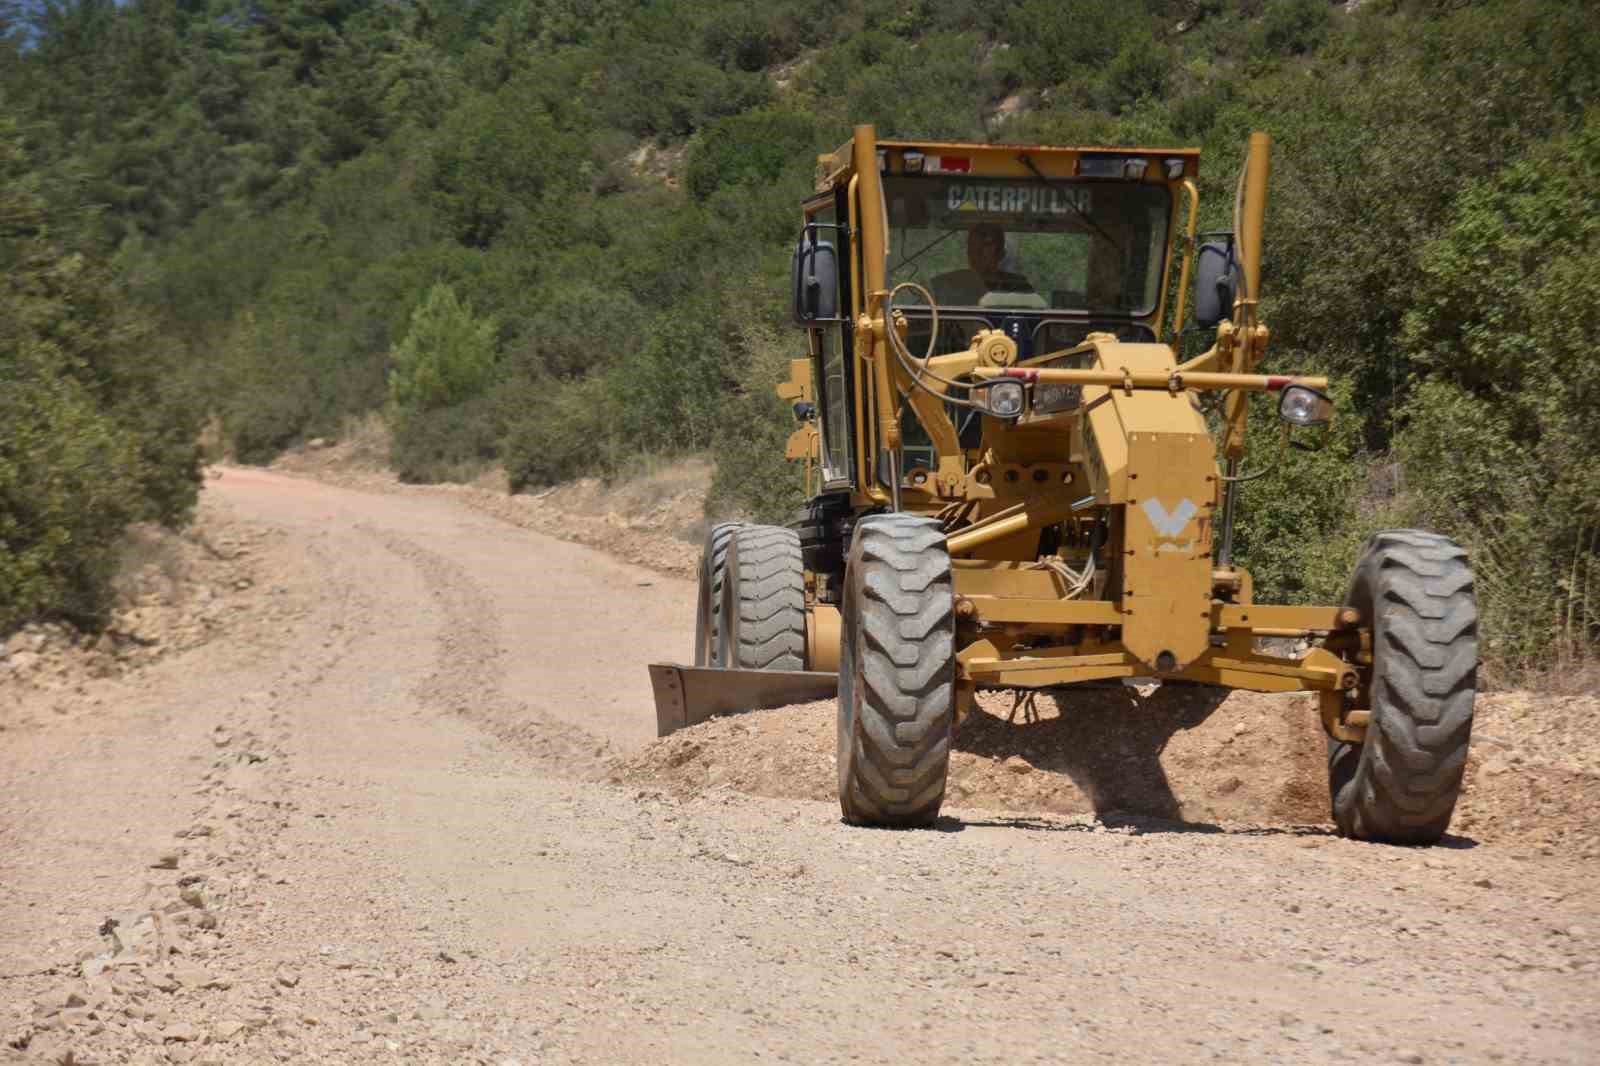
(378, 824)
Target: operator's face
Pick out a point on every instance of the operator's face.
(985, 250)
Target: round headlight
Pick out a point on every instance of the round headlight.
(1006, 399)
(1304, 406)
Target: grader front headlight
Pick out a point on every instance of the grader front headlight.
(1005, 399)
(1302, 405)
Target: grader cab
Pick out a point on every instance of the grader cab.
(1015, 483)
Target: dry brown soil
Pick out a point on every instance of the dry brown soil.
(408, 808)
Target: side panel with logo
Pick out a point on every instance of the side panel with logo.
(1166, 570)
(1150, 452)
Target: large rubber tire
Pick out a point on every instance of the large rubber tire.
(896, 673)
(763, 614)
(708, 604)
(1400, 786)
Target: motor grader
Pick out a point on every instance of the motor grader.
(1016, 482)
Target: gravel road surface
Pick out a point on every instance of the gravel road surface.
(378, 821)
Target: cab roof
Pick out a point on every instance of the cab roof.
(946, 158)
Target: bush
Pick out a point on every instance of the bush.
(755, 147)
(556, 431)
(1140, 70)
(455, 443)
(69, 480)
(1503, 329)
(1061, 42)
(1293, 27)
(95, 430)
(446, 358)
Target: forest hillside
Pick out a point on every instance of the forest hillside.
(553, 235)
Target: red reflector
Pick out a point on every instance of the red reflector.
(952, 164)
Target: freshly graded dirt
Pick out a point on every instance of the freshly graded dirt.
(1178, 752)
(413, 811)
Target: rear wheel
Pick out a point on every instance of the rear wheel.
(1400, 785)
(896, 673)
(708, 604)
(763, 597)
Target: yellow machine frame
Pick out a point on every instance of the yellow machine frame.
(1137, 448)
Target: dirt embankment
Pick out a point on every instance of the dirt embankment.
(175, 591)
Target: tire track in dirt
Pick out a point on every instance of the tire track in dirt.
(468, 675)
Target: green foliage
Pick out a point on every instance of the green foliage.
(1298, 527)
(1140, 70)
(561, 430)
(752, 148)
(446, 358)
(94, 433)
(1065, 42)
(453, 443)
(1503, 327)
(753, 480)
(439, 407)
(285, 188)
(496, 156)
(1293, 27)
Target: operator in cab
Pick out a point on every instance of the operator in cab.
(986, 251)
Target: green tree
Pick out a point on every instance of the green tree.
(446, 357)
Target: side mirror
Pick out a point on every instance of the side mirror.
(815, 278)
(805, 411)
(1216, 283)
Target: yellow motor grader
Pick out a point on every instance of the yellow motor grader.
(1013, 484)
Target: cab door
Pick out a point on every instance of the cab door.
(830, 346)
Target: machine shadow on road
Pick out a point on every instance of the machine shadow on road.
(1143, 825)
(1108, 740)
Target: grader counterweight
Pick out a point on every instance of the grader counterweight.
(1013, 484)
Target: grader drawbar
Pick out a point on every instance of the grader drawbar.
(1016, 481)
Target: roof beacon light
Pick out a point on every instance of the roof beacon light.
(949, 164)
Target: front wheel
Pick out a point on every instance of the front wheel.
(1400, 785)
(896, 673)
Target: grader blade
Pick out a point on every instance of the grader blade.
(686, 695)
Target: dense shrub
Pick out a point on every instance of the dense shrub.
(753, 480)
(68, 486)
(1503, 328)
(558, 430)
(95, 429)
(1293, 27)
(755, 147)
(453, 443)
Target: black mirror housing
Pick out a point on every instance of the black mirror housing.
(815, 280)
(1216, 283)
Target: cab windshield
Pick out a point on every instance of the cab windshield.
(1028, 245)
